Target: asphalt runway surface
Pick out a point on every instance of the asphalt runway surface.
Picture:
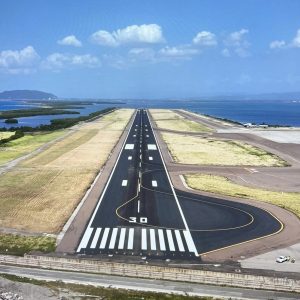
(140, 213)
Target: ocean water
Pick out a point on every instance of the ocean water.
(275, 112)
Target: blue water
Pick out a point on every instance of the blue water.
(275, 112)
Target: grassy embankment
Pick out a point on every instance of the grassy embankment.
(208, 151)
(40, 195)
(24, 145)
(18, 245)
(168, 119)
(78, 291)
(5, 135)
(223, 186)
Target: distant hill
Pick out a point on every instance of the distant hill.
(26, 95)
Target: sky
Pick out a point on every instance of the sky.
(150, 48)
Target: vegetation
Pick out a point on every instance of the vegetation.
(92, 292)
(167, 119)
(11, 121)
(41, 111)
(5, 135)
(26, 94)
(32, 193)
(17, 134)
(12, 149)
(223, 119)
(61, 123)
(207, 151)
(19, 245)
(224, 186)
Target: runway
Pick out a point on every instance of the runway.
(140, 213)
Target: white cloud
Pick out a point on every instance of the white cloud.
(57, 61)
(296, 40)
(237, 38)
(19, 61)
(281, 44)
(277, 44)
(225, 52)
(146, 33)
(238, 43)
(104, 38)
(70, 40)
(145, 54)
(183, 52)
(205, 38)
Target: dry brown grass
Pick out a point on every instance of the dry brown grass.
(41, 194)
(167, 119)
(223, 186)
(206, 151)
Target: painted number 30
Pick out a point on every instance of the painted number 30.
(134, 220)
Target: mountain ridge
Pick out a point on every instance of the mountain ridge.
(26, 95)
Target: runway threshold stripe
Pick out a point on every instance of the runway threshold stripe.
(130, 239)
(179, 241)
(189, 241)
(104, 238)
(95, 239)
(144, 239)
(152, 239)
(122, 238)
(162, 244)
(113, 238)
(85, 239)
(170, 240)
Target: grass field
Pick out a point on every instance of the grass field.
(206, 151)
(26, 144)
(19, 245)
(167, 119)
(42, 192)
(5, 135)
(223, 186)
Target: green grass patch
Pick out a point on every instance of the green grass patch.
(223, 186)
(19, 245)
(26, 144)
(6, 135)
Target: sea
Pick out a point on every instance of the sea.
(272, 112)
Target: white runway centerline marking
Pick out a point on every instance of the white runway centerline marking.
(151, 147)
(122, 238)
(129, 146)
(138, 208)
(124, 182)
(152, 239)
(154, 183)
(130, 239)
(162, 244)
(179, 241)
(144, 239)
(170, 240)
(150, 158)
(95, 239)
(129, 157)
(113, 238)
(104, 238)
